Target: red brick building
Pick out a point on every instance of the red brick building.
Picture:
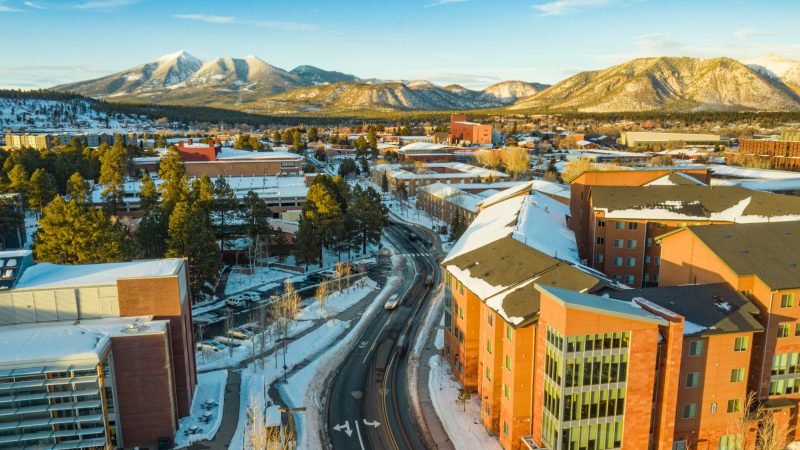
(468, 132)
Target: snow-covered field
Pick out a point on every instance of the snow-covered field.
(71, 115)
(210, 387)
(463, 427)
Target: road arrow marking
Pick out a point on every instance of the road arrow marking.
(345, 427)
(374, 424)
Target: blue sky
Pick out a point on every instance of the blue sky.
(471, 42)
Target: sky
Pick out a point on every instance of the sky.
(471, 42)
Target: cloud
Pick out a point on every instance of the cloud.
(43, 76)
(206, 18)
(4, 8)
(444, 2)
(33, 5)
(563, 7)
(748, 32)
(104, 4)
(226, 20)
(289, 26)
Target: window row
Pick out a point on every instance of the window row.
(596, 370)
(593, 405)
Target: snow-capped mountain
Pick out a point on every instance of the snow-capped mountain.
(248, 73)
(165, 72)
(32, 112)
(316, 76)
(779, 67)
(512, 90)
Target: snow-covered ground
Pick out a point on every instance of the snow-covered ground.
(73, 115)
(210, 388)
(463, 427)
(240, 279)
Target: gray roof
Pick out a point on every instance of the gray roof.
(717, 307)
(602, 305)
(770, 251)
(693, 201)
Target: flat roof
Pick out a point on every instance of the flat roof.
(600, 304)
(770, 251)
(47, 275)
(65, 343)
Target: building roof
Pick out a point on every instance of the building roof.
(599, 304)
(459, 170)
(746, 172)
(656, 136)
(770, 251)
(229, 154)
(676, 179)
(60, 344)
(47, 275)
(694, 203)
(708, 308)
(416, 147)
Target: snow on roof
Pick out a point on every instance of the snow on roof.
(47, 275)
(789, 184)
(419, 146)
(584, 142)
(549, 187)
(460, 170)
(542, 224)
(66, 343)
(14, 254)
(233, 154)
(744, 172)
(453, 195)
(675, 179)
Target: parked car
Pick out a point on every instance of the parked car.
(230, 342)
(236, 302)
(208, 344)
(243, 332)
(392, 303)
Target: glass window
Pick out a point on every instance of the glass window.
(489, 373)
(740, 344)
(696, 348)
(600, 257)
(692, 379)
(679, 445)
(629, 279)
(648, 242)
(601, 240)
(489, 346)
(630, 261)
(690, 411)
(509, 332)
(619, 225)
(618, 243)
(491, 319)
(737, 375)
(508, 362)
(787, 300)
(601, 223)
(733, 405)
(783, 329)
(730, 442)
(631, 243)
(617, 261)
(633, 225)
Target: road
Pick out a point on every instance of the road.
(369, 407)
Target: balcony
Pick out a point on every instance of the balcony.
(530, 444)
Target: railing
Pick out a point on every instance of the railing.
(530, 443)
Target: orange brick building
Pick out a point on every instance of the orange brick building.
(781, 154)
(468, 132)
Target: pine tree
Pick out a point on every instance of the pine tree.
(384, 183)
(19, 181)
(370, 217)
(190, 236)
(78, 188)
(255, 217)
(113, 167)
(148, 195)
(172, 172)
(457, 226)
(151, 234)
(224, 208)
(42, 189)
(202, 192)
(71, 234)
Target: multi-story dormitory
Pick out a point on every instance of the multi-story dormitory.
(563, 356)
(94, 356)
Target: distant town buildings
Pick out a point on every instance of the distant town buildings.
(46, 141)
(94, 356)
(410, 177)
(781, 153)
(645, 139)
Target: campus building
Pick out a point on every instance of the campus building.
(563, 357)
(462, 131)
(209, 159)
(761, 261)
(650, 139)
(94, 356)
(781, 153)
(625, 221)
(412, 176)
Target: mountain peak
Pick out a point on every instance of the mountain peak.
(180, 54)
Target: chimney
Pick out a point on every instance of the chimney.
(190, 141)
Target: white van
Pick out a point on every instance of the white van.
(392, 303)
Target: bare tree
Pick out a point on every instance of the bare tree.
(230, 322)
(200, 330)
(754, 426)
(259, 433)
(321, 295)
(516, 160)
(284, 311)
(488, 158)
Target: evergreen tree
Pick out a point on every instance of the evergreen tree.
(347, 167)
(203, 193)
(148, 195)
(313, 134)
(151, 235)
(297, 141)
(71, 234)
(11, 220)
(19, 181)
(276, 137)
(369, 217)
(113, 167)
(255, 217)
(78, 188)
(172, 172)
(190, 236)
(457, 227)
(384, 183)
(364, 166)
(42, 189)
(224, 208)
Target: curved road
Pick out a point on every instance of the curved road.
(368, 405)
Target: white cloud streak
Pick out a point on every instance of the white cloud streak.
(289, 26)
(33, 5)
(227, 20)
(444, 2)
(206, 18)
(8, 9)
(563, 7)
(104, 4)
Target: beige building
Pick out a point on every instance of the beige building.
(639, 139)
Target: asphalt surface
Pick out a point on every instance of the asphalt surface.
(369, 407)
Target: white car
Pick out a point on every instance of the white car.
(213, 346)
(392, 303)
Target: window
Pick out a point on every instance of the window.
(487, 409)
(730, 442)
(797, 329)
(490, 318)
(600, 257)
(617, 261)
(783, 329)
(679, 445)
(633, 225)
(740, 344)
(506, 392)
(733, 405)
(618, 243)
(692, 379)
(737, 375)
(601, 223)
(629, 279)
(713, 408)
(619, 225)
(601, 240)
(489, 346)
(696, 348)
(648, 242)
(460, 312)
(508, 362)
(787, 300)
(505, 428)
(631, 243)
(690, 411)
(489, 373)
(509, 332)
(630, 261)
(647, 259)
(658, 260)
